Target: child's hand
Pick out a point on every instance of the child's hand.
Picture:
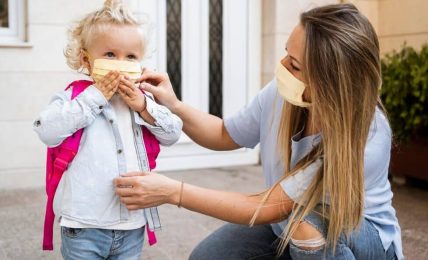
(108, 84)
(132, 96)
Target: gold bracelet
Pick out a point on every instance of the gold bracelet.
(181, 194)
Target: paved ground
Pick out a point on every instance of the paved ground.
(21, 215)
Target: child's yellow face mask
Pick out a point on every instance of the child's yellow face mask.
(132, 69)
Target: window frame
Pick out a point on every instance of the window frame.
(15, 34)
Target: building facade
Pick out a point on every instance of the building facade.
(218, 53)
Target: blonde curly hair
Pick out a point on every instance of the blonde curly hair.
(114, 12)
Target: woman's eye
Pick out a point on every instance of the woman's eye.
(294, 67)
(109, 54)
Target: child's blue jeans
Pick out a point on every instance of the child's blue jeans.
(93, 243)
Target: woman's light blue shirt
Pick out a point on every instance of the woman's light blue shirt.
(258, 122)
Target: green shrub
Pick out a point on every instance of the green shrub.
(405, 91)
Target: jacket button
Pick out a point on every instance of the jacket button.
(37, 123)
(111, 121)
(119, 151)
(101, 107)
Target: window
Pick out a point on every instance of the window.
(173, 42)
(216, 57)
(12, 22)
(4, 14)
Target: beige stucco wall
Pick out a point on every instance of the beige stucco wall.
(279, 18)
(402, 21)
(396, 22)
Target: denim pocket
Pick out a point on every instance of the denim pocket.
(71, 232)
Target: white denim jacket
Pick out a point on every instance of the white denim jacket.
(86, 193)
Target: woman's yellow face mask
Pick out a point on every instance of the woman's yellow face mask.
(289, 87)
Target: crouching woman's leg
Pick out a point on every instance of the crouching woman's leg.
(309, 241)
(239, 242)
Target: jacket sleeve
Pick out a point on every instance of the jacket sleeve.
(168, 126)
(63, 116)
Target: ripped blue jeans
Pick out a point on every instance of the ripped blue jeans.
(235, 242)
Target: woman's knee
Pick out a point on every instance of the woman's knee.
(308, 243)
(221, 244)
(198, 253)
(307, 237)
(236, 242)
(209, 248)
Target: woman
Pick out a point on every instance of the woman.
(325, 148)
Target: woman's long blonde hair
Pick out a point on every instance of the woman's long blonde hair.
(113, 12)
(342, 71)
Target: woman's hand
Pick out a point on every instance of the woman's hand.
(132, 96)
(160, 86)
(141, 190)
(108, 84)
(205, 129)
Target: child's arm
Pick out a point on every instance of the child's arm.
(167, 126)
(163, 124)
(63, 116)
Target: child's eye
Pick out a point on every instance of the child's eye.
(132, 57)
(109, 54)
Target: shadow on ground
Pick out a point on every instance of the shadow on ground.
(21, 215)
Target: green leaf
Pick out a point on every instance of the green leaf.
(405, 90)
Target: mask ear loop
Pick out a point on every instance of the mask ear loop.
(82, 68)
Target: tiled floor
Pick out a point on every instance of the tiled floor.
(21, 216)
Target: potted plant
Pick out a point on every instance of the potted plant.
(405, 96)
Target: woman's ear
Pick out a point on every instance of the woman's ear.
(307, 95)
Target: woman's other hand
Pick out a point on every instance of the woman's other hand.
(160, 86)
(142, 190)
(205, 129)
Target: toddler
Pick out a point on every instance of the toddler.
(115, 116)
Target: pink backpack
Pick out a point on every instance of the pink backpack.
(58, 158)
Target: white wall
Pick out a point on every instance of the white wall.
(28, 78)
(31, 75)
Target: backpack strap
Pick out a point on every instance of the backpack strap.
(151, 236)
(152, 150)
(69, 147)
(58, 159)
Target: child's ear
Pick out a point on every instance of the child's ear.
(84, 60)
